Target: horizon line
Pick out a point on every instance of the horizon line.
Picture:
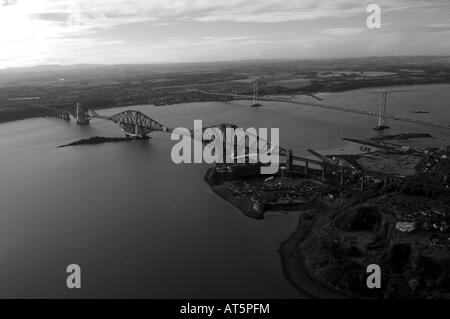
(220, 61)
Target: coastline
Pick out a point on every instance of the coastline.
(243, 204)
(343, 230)
(293, 261)
(294, 271)
(18, 114)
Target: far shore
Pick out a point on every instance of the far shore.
(22, 113)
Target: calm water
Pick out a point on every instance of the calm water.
(140, 226)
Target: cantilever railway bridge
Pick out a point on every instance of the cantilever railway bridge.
(138, 125)
(132, 123)
(135, 123)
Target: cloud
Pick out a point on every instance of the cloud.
(68, 16)
(63, 29)
(105, 13)
(440, 25)
(5, 3)
(345, 31)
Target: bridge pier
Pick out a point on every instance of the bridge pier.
(135, 133)
(63, 116)
(82, 115)
(289, 161)
(83, 122)
(363, 180)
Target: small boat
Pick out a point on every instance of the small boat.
(381, 128)
(421, 112)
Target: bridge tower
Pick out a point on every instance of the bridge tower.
(234, 93)
(136, 124)
(255, 95)
(63, 116)
(82, 115)
(289, 160)
(382, 112)
(383, 107)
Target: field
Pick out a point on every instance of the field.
(22, 91)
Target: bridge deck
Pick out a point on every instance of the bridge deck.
(336, 108)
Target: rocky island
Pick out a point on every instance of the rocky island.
(99, 140)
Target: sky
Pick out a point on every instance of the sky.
(39, 32)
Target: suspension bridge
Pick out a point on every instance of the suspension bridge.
(381, 115)
(138, 125)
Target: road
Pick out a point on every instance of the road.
(335, 108)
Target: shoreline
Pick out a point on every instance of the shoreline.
(243, 205)
(295, 273)
(342, 230)
(293, 261)
(18, 115)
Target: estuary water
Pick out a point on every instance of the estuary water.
(141, 226)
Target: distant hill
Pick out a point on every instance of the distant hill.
(53, 73)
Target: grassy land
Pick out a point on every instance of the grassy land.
(112, 86)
